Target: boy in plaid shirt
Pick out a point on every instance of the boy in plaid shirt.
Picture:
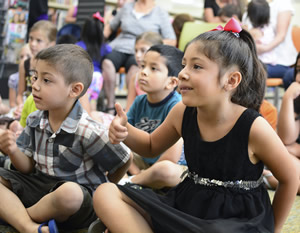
(62, 155)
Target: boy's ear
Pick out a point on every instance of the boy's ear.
(52, 43)
(232, 81)
(76, 89)
(172, 82)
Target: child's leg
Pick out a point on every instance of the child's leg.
(161, 174)
(13, 211)
(60, 204)
(118, 212)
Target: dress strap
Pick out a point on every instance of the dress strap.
(239, 184)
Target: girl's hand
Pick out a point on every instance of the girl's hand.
(8, 142)
(293, 91)
(117, 129)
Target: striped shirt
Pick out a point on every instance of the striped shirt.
(79, 151)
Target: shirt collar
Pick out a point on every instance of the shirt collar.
(69, 125)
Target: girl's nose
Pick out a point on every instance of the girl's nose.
(183, 75)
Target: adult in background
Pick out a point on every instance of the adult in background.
(281, 13)
(134, 18)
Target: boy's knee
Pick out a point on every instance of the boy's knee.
(164, 170)
(68, 196)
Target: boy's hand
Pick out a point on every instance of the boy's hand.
(117, 129)
(8, 142)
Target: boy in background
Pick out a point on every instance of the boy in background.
(62, 155)
(158, 79)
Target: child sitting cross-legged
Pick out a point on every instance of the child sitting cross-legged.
(62, 155)
(226, 144)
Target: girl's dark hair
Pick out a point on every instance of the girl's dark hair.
(229, 50)
(173, 57)
(259, 13)
(92, 36)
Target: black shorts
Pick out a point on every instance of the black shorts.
(121, 60)
(32, 187)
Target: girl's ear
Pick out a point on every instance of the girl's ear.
(232, 81)
(76, 89)
(172, 82)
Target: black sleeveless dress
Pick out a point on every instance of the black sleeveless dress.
(196, 208)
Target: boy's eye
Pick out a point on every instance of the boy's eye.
(197, 67)
(154, 68)
(46, 80)
(33, 78)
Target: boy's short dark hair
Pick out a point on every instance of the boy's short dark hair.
(72, 61)
(173, 58)
(259, 13)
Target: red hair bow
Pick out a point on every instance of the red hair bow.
(231, 26)
(98, 16)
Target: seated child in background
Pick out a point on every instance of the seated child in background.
(142, 43)
(41, 35)
(229, 11)
(62, 155)
(258, 12)
(13, 79)
(92, 40)
(178, 23)
(289, 123)
(158, 79)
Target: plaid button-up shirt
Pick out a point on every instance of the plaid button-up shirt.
(79, 151)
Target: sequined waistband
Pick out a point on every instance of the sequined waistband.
(239, 184)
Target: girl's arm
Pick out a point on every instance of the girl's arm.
(8, 145)
(288, 128)
(265, 145)
(283, 22)
(12, 97)
(21, 85)
(107, 30)
(147, 145)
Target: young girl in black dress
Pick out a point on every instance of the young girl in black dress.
(226, 145)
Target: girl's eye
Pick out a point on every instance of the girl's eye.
(182, 65)
(154, 68)
(142, 66)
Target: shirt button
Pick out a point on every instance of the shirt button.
(50, 140)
